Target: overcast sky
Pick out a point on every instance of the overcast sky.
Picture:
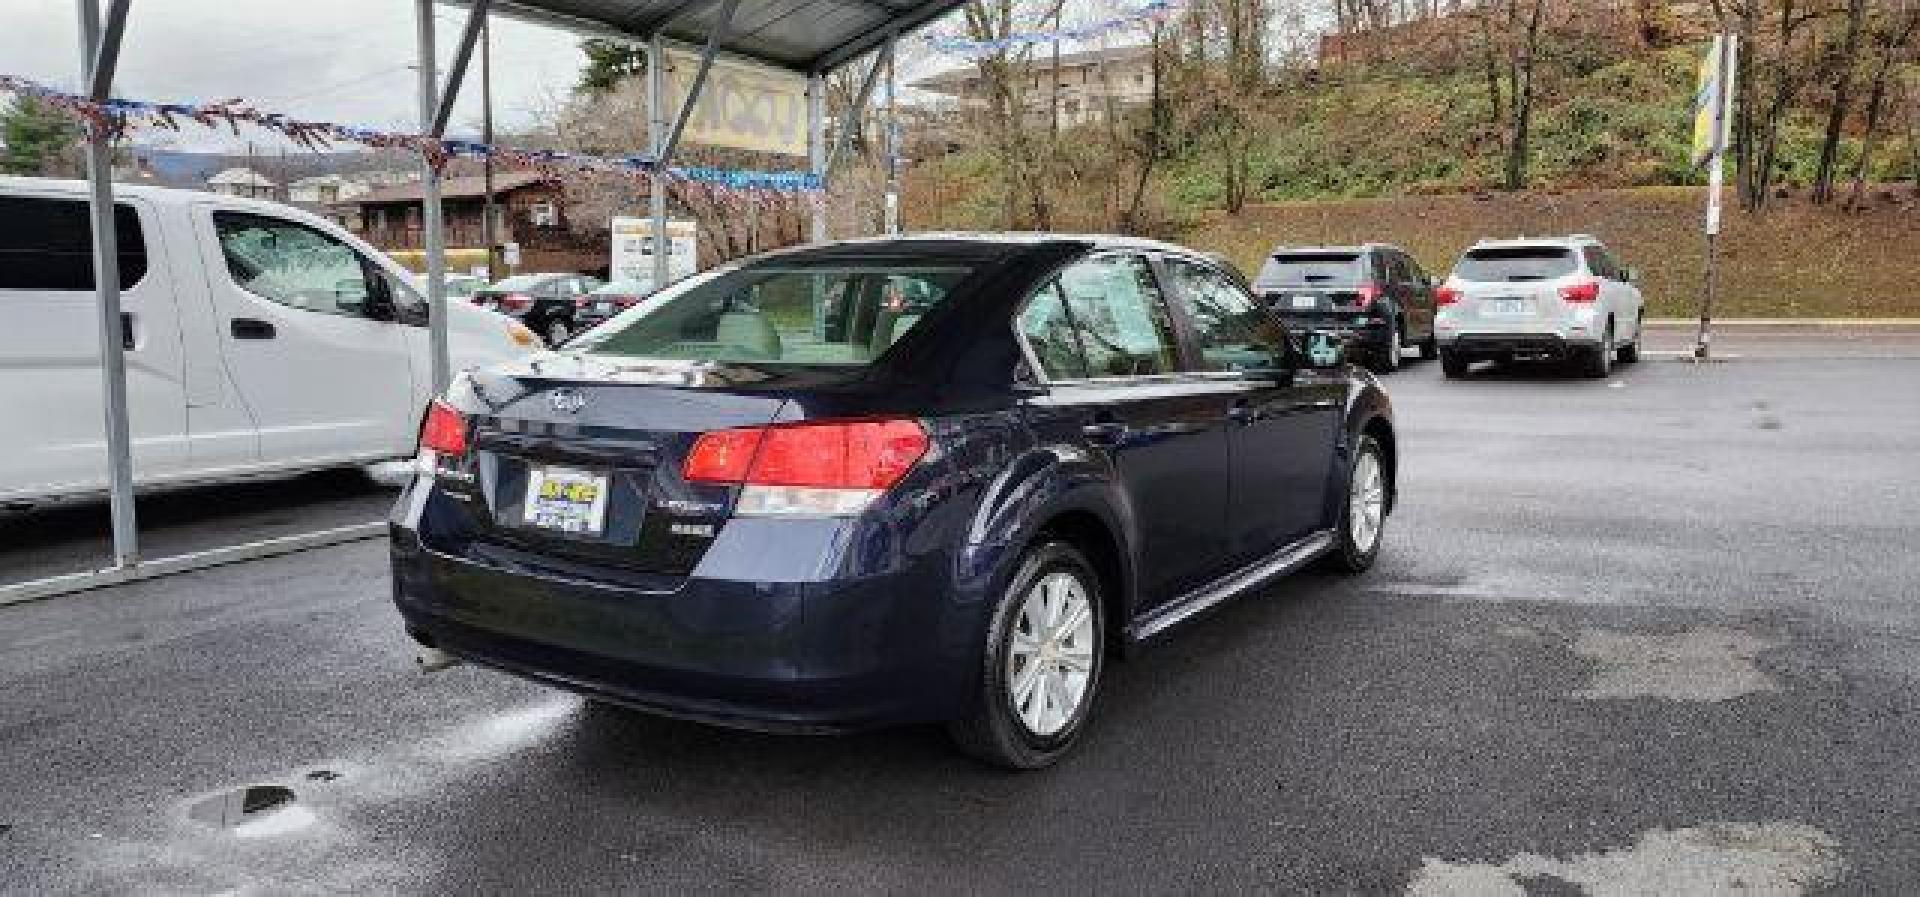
(342, 61)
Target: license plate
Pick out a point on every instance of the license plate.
(566, 500)
(605, 308)
(1306, 302)
(1508, 307)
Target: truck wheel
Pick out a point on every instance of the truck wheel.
(1430, 348)
(1630, 352)
(1041, 663)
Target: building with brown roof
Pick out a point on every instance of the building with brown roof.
(530, 212)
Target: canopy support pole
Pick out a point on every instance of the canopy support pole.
(856, 113)
(435, 240)
(657, 134)
(99, 57)
(817, 152)
(892, 214)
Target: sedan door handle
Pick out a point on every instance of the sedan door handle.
(252, 328)
(1109, 433)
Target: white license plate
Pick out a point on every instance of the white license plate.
(605, 308)
(566, 499)
(1508, 307)
(1306, 302)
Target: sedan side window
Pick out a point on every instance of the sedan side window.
(1120, 317)
(1049, 333)
(294, 265)
(1233, 332)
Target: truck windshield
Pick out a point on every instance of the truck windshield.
(1313, 269)
(1515, 264)
(826, 314)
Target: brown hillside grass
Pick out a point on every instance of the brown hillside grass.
(1796, 260)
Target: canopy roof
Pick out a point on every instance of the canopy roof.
(796, 35)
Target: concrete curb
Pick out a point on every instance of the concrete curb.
(1810, 323)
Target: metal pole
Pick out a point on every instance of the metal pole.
(488, 210)
(893, 141)
(1716, 178)
(657, 137)
(720, 25)
(436, 245)
(817, 151)
(99, 55)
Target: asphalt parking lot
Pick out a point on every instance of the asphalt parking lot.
(1653, 634)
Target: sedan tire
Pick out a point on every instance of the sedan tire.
(1363, 509)
(1042, 661)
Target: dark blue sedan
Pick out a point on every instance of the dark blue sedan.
(931, 479)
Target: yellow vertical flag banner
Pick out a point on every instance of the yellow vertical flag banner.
(1707, 105)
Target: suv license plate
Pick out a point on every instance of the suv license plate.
(567, 500)
(1306, 302)
(1509, 307)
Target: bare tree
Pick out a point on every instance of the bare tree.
(1894, 33)
(1843, 61)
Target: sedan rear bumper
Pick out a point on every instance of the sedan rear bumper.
(802, 657)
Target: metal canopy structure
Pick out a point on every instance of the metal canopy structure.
(808, 37)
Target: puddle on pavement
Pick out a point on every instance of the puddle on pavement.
(1707, 664)
(1776, 858)
(252, 811)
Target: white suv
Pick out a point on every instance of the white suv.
(1541, 298)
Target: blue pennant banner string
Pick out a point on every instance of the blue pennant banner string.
(115, 117)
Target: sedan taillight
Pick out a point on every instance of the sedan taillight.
(444, 431)
(1446, 296)
(824, 468)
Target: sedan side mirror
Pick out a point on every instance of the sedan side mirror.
(1325, 350)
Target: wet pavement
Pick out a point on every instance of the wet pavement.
(1652, 634)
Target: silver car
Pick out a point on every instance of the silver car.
(1554, 298)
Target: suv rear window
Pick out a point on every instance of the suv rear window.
(1314, 269)
(1510, 264)
(781, 312)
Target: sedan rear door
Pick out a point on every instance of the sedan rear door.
(1104, 335)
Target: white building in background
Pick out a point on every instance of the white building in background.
(325, 189)
(243, 182)
(1087, 84)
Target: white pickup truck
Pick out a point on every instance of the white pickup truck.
(259, 340)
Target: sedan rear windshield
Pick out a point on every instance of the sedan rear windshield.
(1516, 264)
(1314, 269)
(794, 313)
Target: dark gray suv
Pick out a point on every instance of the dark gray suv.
(1374, 295)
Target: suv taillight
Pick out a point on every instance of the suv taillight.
(828, 468)
(1586, 291)
(1446, 295)
(444, 431)
(1369, 294)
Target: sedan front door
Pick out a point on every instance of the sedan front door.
(1281, 440)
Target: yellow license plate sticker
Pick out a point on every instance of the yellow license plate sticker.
(567, 500)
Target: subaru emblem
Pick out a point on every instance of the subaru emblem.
(567, 400)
